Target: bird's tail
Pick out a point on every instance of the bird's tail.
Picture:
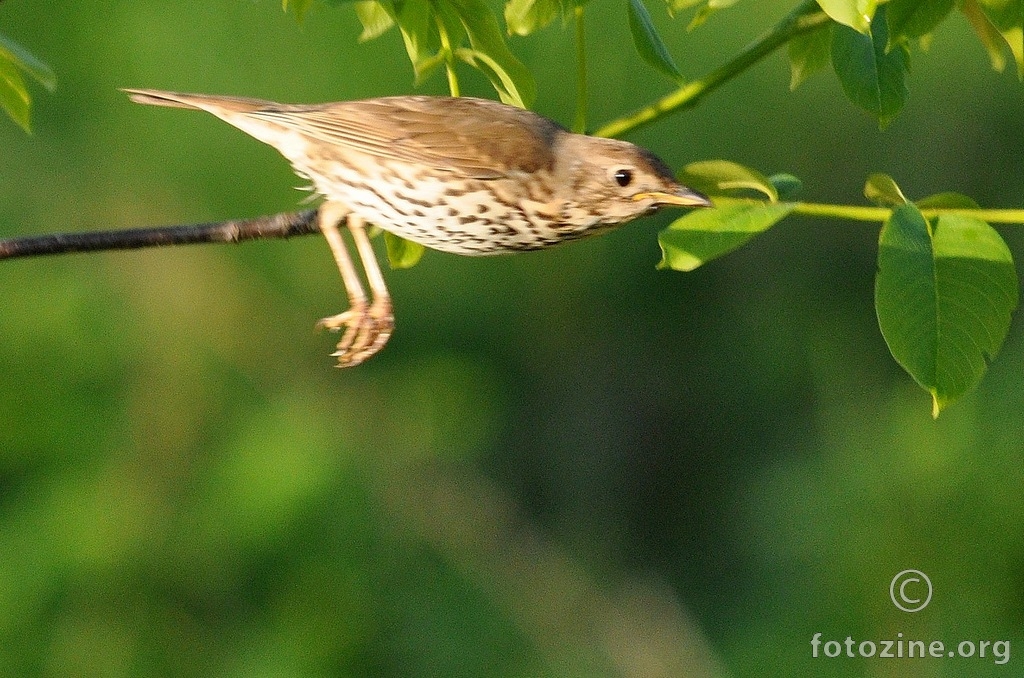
(212, 104)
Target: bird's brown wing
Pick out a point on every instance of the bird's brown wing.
(469, 137)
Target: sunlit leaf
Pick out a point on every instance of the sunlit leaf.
(872, 77)
(988, 34)
(300, 7)
(881, 189)
(14, 97)
(675, 6)
(402, 253)
(857, 14)
(374, 17)
(1015, 38)
(1008, 18)
(415, 21)
(24, 60)
(523, 17)
(703, 235)
(705, 12)
(512, 80)
(943, 299)
(647, 41)
(808, 54)
(724, 177)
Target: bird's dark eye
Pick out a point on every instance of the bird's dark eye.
(623, 177)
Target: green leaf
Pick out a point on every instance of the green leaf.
(1015, 39)
(402, 253)
(786, 185)
(23, 59)
(374, 17)
(943, 299)
(523, 17)
(1004, 14)
(724, 177)
(882, 190)
(988, 34)
(512, 80)
(808, 54)
(648, 42)
(856, 14)
(871, 77)
(415, 21)
(675, 6)
(705, 12)
(706, 234)
(1008, 18)
(909, 19)
(950, 200)
(299, 6)
(14, 97)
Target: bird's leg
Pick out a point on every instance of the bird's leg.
(367, 327)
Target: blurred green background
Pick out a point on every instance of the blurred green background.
(565, 463)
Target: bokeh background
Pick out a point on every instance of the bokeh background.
(565, 463)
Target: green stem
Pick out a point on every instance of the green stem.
(806, 17)
(579, 122)
(449, 59)
(867, 213)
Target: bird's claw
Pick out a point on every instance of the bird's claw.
(367, 329)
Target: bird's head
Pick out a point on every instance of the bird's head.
(617, 180)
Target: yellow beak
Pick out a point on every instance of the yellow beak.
(684, 197)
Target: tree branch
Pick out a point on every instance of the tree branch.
(806, 17)
(284, 225)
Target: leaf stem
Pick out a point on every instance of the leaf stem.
(805, 17)
(449, 58)
(579, 121)
(868, 213)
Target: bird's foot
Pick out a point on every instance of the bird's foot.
(367, 329)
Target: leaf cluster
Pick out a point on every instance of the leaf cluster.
(946, 282)
(440, 33)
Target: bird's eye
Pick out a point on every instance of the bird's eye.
(623, 177)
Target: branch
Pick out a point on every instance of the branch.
(806, 17)
(234, 230)
(868, 213)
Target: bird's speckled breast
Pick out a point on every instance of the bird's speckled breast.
(439, 210)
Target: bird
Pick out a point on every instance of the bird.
(457, 174)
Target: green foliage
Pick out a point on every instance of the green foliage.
(808, 54)
(435, 33)
(872, 75)
(14, 95)
(723, 177)
(648, 42)
(855, 14)
(944, 293)
(402, 253)
(945, 287)
(881, 189)
(523, 17)
(703, 235)
(915, 18)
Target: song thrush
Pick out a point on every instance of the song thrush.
(461, 175)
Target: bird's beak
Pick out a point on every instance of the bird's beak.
(682, 197)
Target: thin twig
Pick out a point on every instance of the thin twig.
(806, 17)
(284, 225)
